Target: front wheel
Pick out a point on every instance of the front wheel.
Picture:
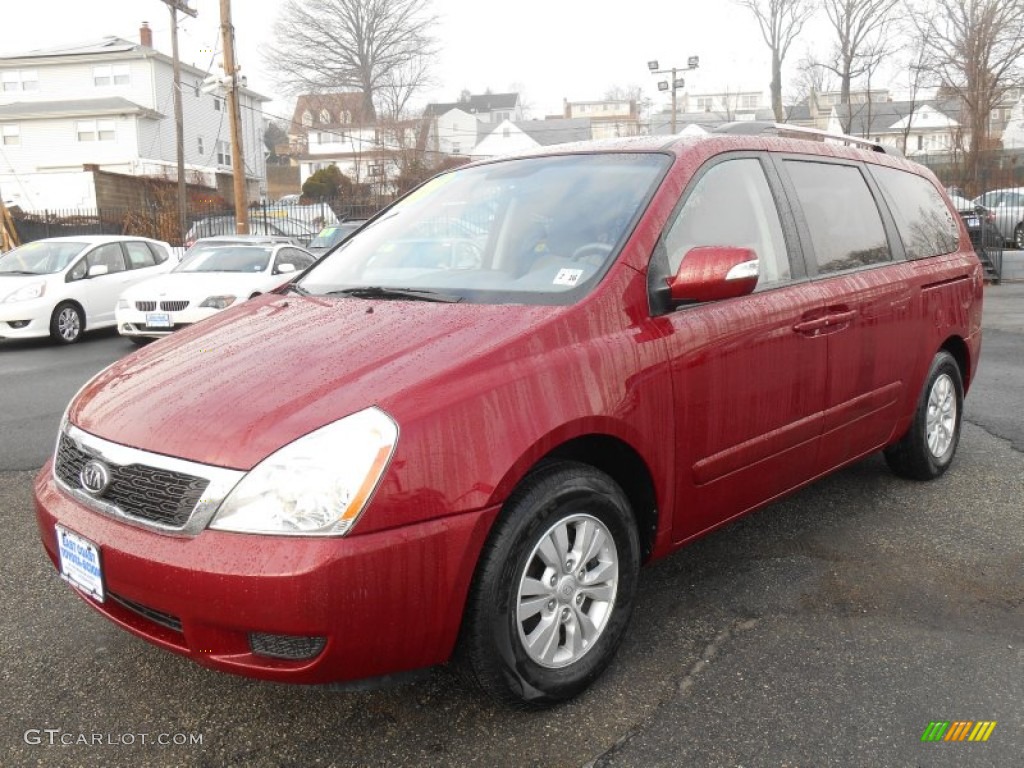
(66, 324)
(926, 451)
(554, 588)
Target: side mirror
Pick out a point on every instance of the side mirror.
(712, 273)
(285, 268)
(97, 269)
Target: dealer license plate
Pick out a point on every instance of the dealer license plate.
(158, 320)
(80, 563)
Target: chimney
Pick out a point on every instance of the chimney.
(146, 35)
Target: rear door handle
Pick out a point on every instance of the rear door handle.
(811, 327)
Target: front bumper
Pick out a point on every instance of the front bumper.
(386, 602)
(132, 322)
(25, 319)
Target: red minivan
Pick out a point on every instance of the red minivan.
(461, 434)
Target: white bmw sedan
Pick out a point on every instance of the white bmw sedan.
(63, 286)
(210, 278)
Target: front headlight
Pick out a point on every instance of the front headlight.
(317, 485)
(26, 293)
(218, 302)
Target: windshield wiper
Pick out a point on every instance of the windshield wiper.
(297, 288)
(17, 272)
(380, 292)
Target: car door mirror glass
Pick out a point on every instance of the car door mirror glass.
(712, 273)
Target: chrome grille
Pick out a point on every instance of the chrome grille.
(142, 492)
(145, 306)
(173, 306)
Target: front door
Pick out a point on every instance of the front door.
(748, 373)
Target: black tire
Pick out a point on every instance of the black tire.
(1018, 237)
(140, 341)
(492, 652)
(66, 323)
(913, 456)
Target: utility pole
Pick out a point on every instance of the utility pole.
(237, 163)
(179, 126)
(677, 82)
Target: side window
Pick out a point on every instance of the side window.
(845, 226)
(923, 219)
(159, 253)
(294, 257)
(732, 204)
(78, 271)
(109, 254)
(139, 256)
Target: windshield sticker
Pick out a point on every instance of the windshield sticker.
(567, 277)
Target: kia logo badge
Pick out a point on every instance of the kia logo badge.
(95, 477)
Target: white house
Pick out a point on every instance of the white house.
(110, 103)
(609, 118)
(512, 137)
(455, 128)
(927, 127)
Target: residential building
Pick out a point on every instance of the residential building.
(728, 105)
(510, 137)
(914, 127)
(455, 128)
(609, 118)
(109, 103)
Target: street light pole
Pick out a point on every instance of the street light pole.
(676, 83)
(179, 123)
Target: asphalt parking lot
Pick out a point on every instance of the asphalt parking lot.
(827, 630)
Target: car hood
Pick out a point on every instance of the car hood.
(237, 387)
(11, 283)
(198, 286)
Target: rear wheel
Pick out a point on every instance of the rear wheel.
(1018, 236)
(927, 450)
(66, 324)
(554, 588)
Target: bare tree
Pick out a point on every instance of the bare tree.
(379, 47)
(781, 21)
(975, 50)
(861, 40)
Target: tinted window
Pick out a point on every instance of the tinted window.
(109, 255)
(732, 204)
(139, 256)
(926, 225)
(845, 226)
(295, 257)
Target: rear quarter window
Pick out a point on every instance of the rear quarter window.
(925, 223)
(842, 218)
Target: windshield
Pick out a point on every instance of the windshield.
(40, 258)
(226, 258)
(536, 230)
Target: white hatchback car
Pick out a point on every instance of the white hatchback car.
(63, 286)
(210, 278)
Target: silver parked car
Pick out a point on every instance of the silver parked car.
(1007, 205)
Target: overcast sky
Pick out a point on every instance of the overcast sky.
(547, 49)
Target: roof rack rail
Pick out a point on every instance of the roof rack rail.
(784, 130)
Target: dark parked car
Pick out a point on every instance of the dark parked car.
(297, 232)
(454, 440)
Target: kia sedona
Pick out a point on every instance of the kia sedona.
(459, 437)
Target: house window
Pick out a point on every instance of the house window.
(345, 116)
(223, 153)
(10, 135)
(325, 116)
(307, 118)
(111, 74)
(95, 130)
(20, 80)
(705, 103)
(920, 142)
(749, 100)
(199, 145)
(456, 148)
(218, 104)
(505, 132)
(375, 169)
